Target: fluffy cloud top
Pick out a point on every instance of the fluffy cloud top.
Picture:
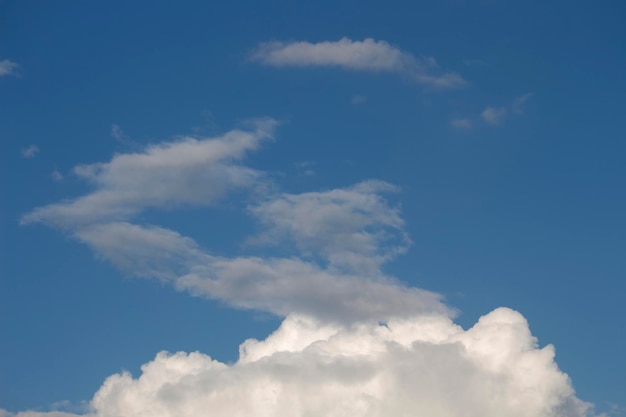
(424, 366)
(366, 55)
(354, 342)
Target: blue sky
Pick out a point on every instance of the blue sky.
(169, 170)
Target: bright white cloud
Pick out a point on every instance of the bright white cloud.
(30, 152)
(367, 55)
(423, 366)
(494, 115)
(8, 67)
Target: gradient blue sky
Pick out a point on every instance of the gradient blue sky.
(519, 206)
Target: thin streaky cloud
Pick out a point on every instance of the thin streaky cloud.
(8, 67)
(368, 55)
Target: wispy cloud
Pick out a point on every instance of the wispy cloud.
(8, 67)
(520, 102)
(56, 175)
(30, 152)
(463, 123)
(494, 115)
(117, 133)
(367, 55)
(358, 99)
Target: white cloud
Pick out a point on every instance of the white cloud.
(424, 366)
(341, 236)
(461, 123)
(347, 227)
(8, 67)
(520, 102)
(354, 341)
(367, 55)
(189, 171)
(286, 285)
(30, 152)
(345, 233)
(494, 115)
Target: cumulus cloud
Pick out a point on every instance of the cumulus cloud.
(354, 341)
(367, 55)
(493, 115)
(424, 365)
(30, 152)
(8, 67)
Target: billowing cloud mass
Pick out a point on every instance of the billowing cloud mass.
(354, 341)
(422, 366)
(367, 55)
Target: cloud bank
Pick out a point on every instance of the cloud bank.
(354, 341)
(367, 55)
(424, 366)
